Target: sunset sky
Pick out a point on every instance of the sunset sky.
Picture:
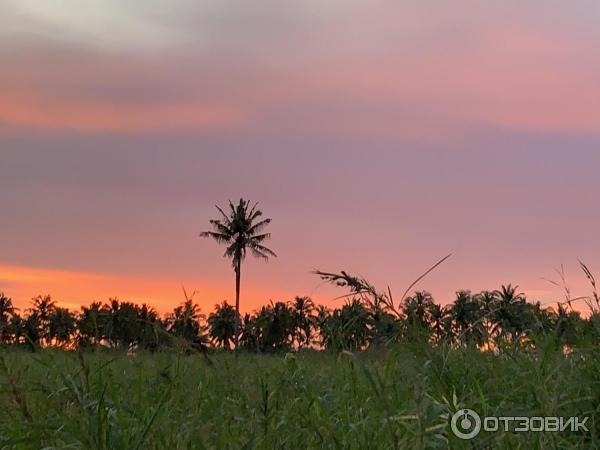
(379, 135)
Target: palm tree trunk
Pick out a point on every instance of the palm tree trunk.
(236, 337)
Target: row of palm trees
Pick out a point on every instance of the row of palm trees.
(369, 317)
(489, 319)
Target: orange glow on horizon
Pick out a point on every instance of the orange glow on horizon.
(75, 289)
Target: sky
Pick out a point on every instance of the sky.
(379, 136)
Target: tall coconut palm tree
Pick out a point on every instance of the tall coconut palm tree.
(240, 230)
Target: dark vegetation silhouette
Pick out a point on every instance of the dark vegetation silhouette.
(240, 230)
(489, 320)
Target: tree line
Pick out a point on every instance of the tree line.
(489, 319)
(485, 320)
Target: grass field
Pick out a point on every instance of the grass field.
(394, 398)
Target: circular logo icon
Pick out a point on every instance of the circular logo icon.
(466, 424)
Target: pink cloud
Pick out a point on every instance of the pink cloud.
(506, 76)
(35, 110)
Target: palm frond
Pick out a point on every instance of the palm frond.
(226, 218)
(258, 226)
(259, 238)
(221, 228)
(219, 237)
(261, 248)
(252, 210)
(258, 254)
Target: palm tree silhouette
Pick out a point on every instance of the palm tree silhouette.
(508, 315)
(222, 325)
(488, 301)
(185, 321)
(467, 315)
(303, 312)
(441, 323)
(240, 230)
(39, 319)
(92, 325)
(7, 310)
(61, 326)
(417, 309)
